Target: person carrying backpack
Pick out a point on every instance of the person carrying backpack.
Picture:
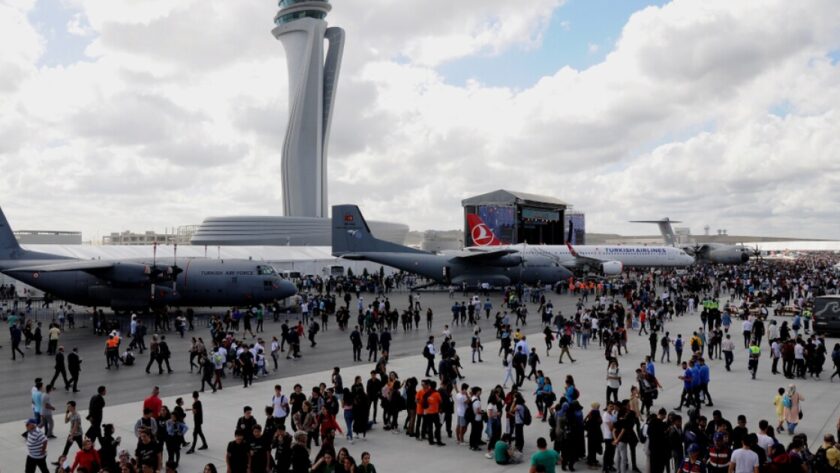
(827, 457)
(521, 417)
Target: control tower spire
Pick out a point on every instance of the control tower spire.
(313, 79)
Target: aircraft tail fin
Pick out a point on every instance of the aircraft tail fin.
(481, 234)
(351, 234)
(664, 228)
(8, 243)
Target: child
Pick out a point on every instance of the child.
(778, 401)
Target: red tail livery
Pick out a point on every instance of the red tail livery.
(481, 233)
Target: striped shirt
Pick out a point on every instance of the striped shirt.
(36, 444)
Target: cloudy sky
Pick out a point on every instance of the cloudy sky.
(129, 114)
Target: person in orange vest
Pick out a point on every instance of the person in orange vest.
(429, 400)
(112, 351)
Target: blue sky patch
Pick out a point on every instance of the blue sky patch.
(580, 34)
(50, 18)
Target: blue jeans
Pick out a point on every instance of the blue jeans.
(348, 419)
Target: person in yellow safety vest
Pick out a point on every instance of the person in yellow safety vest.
(806, 319)
(755, 354)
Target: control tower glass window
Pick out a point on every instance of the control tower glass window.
(317, 11)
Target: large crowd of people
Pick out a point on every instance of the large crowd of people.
(302, 429)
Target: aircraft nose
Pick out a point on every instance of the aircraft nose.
(565, 274)
(285, 289)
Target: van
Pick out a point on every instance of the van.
(827, 314)
(290, 275)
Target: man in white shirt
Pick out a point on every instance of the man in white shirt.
(522, 346)
(461, 400)
(744, 460)
(727, 346)
(281, 406)
(608, 419)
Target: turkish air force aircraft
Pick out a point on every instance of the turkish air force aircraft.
(719, 253)
(352, 239)
(141, 284)
(608, 259)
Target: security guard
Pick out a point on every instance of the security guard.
(755, 354)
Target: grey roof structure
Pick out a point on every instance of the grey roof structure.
(506, 197)
(284, 231)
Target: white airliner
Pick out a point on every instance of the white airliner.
(610, 259)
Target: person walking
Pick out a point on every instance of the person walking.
(198, 420)
(95, 413)
(37, 337)
(372, 345)
(728, 348)
(74, 366)
(75, 420)
(356, 341)
(164, 353)
(429, 354)
(754, 356)
(154, 355)
(793, 410)
(208, 369)
(36, 448)
(565, 341)
(53, 333)
(16, 336)
(60, 369)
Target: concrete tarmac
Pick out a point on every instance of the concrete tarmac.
(733, 392)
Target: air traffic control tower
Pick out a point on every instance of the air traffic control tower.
(313, 80)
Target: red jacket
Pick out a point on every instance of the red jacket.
(154, 403)
(85, 459)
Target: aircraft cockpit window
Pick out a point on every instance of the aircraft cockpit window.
(266, 271)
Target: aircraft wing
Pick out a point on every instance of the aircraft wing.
(486, 256)
(578, 260)
(72, 265)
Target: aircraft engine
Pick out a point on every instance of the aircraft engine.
(129, 274)
(612, 268)
(729, 256)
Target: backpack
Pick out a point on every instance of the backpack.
(469, 413)
(819, 463)
(575, 394)
(526, 415)
(787, 401)
(315, 327)
(426, 352)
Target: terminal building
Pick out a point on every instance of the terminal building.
(48, 237)
(519, 217)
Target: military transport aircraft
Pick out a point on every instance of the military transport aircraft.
(352, 239)
(138, 284)
(718, 253)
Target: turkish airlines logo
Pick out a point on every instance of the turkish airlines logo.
(481, 235)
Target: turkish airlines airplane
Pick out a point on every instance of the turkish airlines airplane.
(609, 259)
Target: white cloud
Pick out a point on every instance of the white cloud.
(180, 114)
